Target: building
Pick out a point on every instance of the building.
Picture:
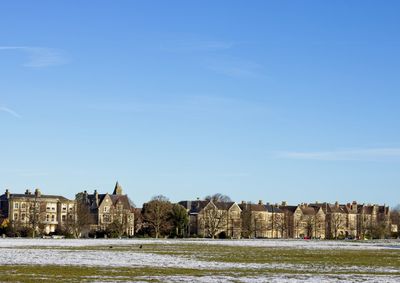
(213, 219)
(108, 209)
(42, 213)
(262, 220)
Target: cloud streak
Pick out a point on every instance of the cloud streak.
(39, 57)
(10, 111)
(361, 154)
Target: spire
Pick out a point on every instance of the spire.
(117, 189)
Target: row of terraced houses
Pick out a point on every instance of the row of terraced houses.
(207, 218)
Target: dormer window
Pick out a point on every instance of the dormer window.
(106, 209)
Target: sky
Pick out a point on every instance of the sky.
(292, 101)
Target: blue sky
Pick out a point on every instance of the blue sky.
(272, 100)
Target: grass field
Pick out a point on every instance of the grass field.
(32, 260)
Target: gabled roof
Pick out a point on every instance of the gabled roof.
(194, 206)
(224, 205)
(308, 210)
(289, 208)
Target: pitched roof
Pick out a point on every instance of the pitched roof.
(289, 208)
(194, 206)
(252, 207)
(32, 196)
(273, 208)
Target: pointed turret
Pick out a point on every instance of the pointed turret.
(117, 189)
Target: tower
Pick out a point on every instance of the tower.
(117, 189)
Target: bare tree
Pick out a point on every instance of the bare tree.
(248, 227)
(319, 225)
(35, 213)
(336, 223)
(214, 220)
(156, 214)
(218, 198)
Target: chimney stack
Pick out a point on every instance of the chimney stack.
(38, 193)
(260, 202)
(284, 203)
(7, 193)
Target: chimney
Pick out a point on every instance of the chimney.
(38, 193)
(260, 202)
(336, 204)
(27, 192)
(96, 196)
(316, 202)
(7, 193)
(243, 202)
(284, 203)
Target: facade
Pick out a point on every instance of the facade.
(40, 212)
(109, 209)
(262, 220)
(213, 219)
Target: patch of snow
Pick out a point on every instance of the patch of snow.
(267, 243)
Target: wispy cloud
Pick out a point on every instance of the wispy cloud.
(360, 154)
(10, 111)
(39, 57)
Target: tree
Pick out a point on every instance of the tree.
(180, 219)
(218, 198)
(337, 222)
(214, 220)
(395, 220)
(248, 228)
(157, 213)
(35, 214)
(80, 223)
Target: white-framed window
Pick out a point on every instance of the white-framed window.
(53, 217)
(15, 216)
(23, 205)
(16, 205)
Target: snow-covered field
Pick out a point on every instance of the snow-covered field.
(126, 253)
(267, 243)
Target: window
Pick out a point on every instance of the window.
(47, 217)
(63, 217)
(16, 205)
(106, 218)
(22, 217)
(106, 209)
(15, 216)
(53, 217)
(23, 205)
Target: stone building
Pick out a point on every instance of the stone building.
(109, 209)
(213, 219)
(262, 220)
(40, 212)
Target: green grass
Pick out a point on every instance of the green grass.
(302, 261)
